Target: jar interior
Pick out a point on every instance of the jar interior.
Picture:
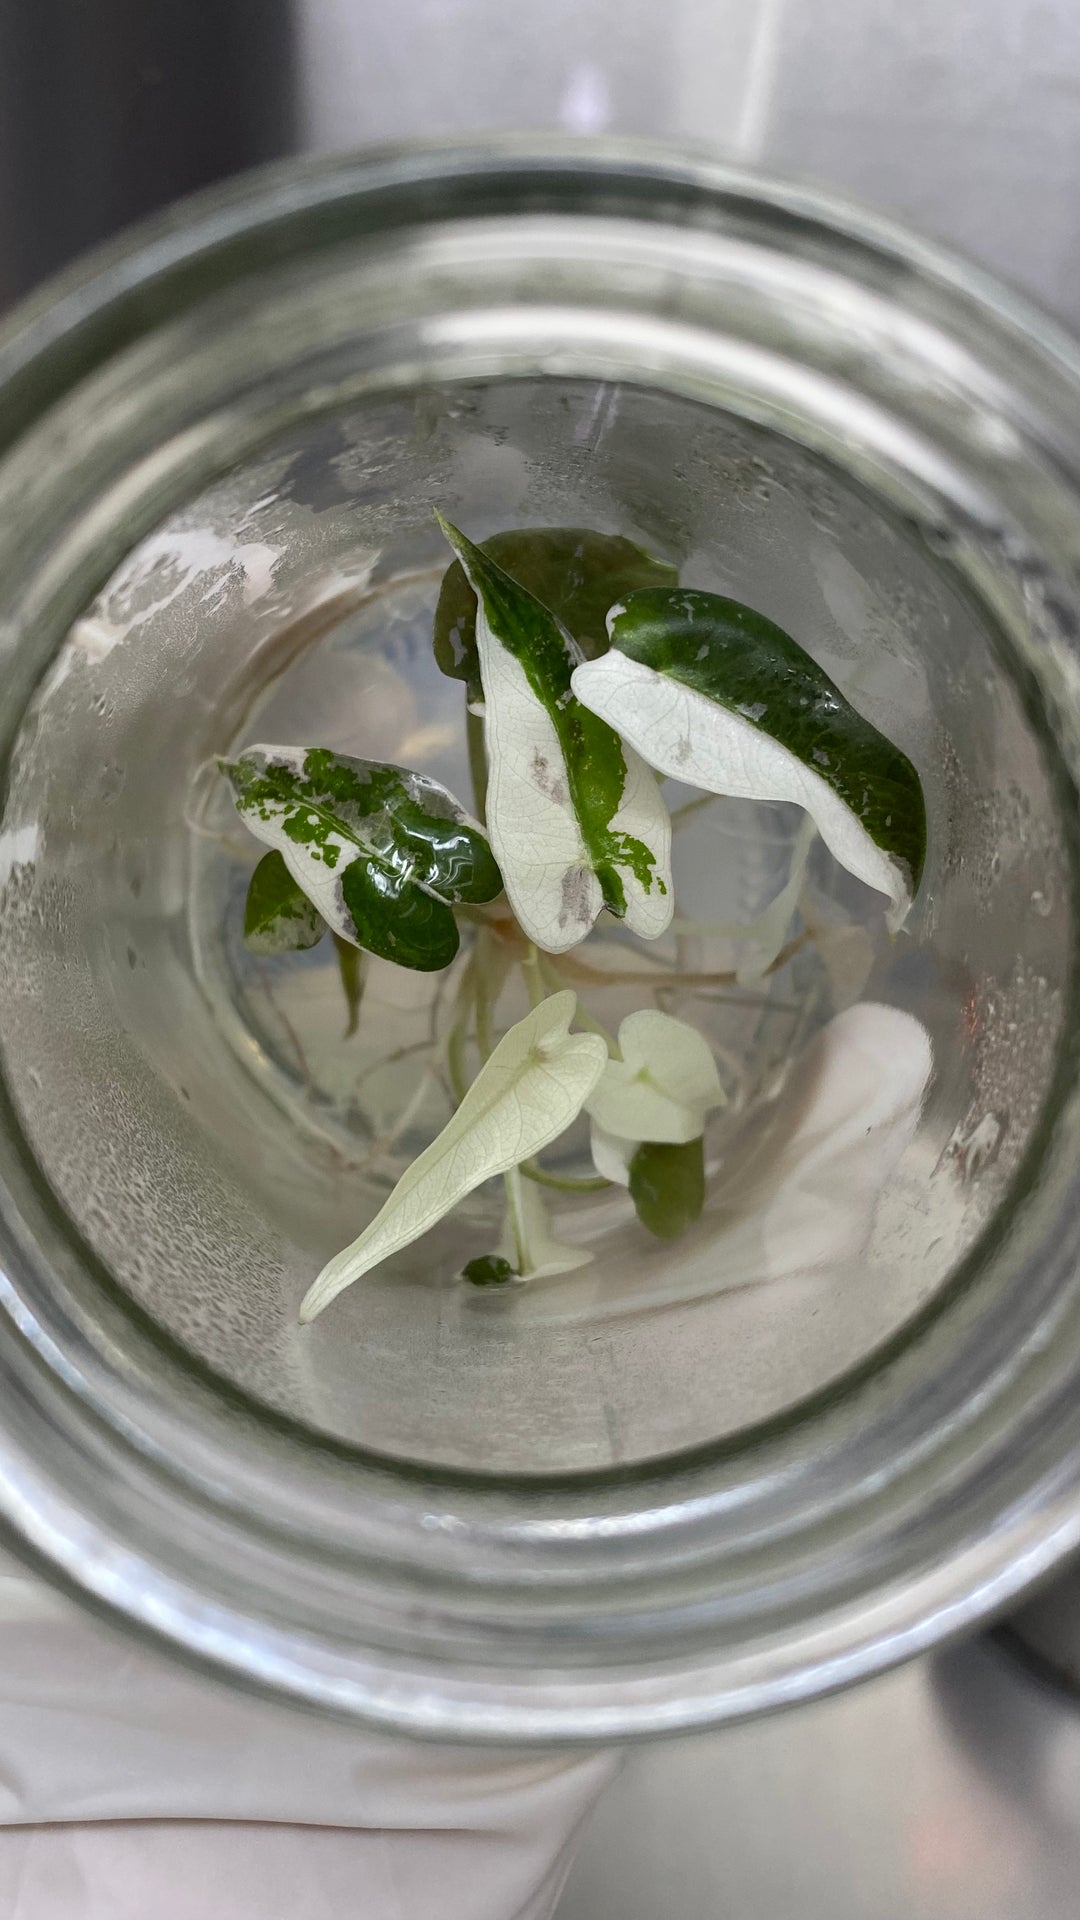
(202, 1116)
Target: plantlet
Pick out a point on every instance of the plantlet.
(588, 672)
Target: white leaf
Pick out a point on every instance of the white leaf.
(535, 833)
(662, 1087)
(694, 739)
(531, 1089)
(611, 1156)
(576, 819)
(527, 1239)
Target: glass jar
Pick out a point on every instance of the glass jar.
(596, 1510)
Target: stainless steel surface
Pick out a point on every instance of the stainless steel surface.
(950, 1791)
(963, 118)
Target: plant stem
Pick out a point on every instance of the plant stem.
(409, 1111)
(485, 1039)
(564, 1182)
(478, 767)
(457, 1038)
(577, 970)
(532, 967)
(515, 1211)
(683, 813)
(391, 1059)
(290, 1031)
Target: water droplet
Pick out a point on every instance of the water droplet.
(975, 1147)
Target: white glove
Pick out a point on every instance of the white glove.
(182, 1800)
(194, 1803)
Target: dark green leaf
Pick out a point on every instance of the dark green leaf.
(760, 719)
(488, 1270)
(278, 916)
(383, 854)
(575, 573)
(352, 966)
(667, 1186)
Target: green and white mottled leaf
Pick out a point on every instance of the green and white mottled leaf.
(715, 695)
(383, 854)
(278, 916)
(527, 1239)
(531, 1089)
(575, 573)
(667, 1185)
(577, 821)
(661, 1088)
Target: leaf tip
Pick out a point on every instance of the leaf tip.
(902, 902)
(317, 1297)
(453, 535)
(472, 557)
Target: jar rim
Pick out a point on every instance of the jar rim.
(59, 1388)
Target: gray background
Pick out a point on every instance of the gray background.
(961, 116)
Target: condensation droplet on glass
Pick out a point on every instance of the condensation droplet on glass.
(974, 1147)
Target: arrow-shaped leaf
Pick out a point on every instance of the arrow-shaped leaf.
(531, 1089)
(714, 694)
(382, 853)
(575, 573)
(576, 819)
(278, 916)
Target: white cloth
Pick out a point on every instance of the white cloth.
(131, 1789)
